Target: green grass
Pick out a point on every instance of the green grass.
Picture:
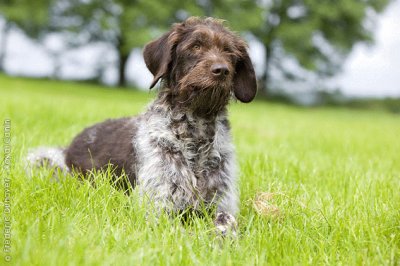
(335, 173)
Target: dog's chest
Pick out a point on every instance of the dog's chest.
(195, 141)
(190, 154)
(197, 148)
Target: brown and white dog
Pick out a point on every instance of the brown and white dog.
(179, 152)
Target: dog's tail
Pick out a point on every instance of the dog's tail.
(46, 157)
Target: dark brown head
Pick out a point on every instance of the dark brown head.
(201, 64)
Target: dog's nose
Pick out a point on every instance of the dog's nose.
(220, 70)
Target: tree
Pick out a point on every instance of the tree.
(317, 34)
(30, 16)
(124, 24)
(241, 15)
(128, 24)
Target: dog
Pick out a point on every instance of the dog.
(179, 152)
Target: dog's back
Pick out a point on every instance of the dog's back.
(97, 147)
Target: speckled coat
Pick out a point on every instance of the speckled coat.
(179, 152)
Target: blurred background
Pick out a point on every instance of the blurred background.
(306, 52)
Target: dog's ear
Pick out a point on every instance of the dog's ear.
(244, 81)
(157, 56)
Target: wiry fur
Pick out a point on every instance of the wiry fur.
(186, 160)
(47, 156)
(179, 152)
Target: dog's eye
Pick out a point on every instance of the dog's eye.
(196, 47)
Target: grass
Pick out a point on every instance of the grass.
(334, 174)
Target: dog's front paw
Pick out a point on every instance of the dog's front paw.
(226, 224)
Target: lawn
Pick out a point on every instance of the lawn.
(332, 173)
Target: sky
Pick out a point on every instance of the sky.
(367, 72)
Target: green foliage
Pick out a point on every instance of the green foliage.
(316, 34)
(30, 16)
(335, 172)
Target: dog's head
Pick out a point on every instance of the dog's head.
(201, 62)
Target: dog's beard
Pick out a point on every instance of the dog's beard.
(203, 95)
(204, 98)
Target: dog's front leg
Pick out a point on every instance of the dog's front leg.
(225, 221)
(227, 207)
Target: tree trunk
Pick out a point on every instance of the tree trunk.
(122, 60)
(55, 56)
(265, 78)
(3, 45)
